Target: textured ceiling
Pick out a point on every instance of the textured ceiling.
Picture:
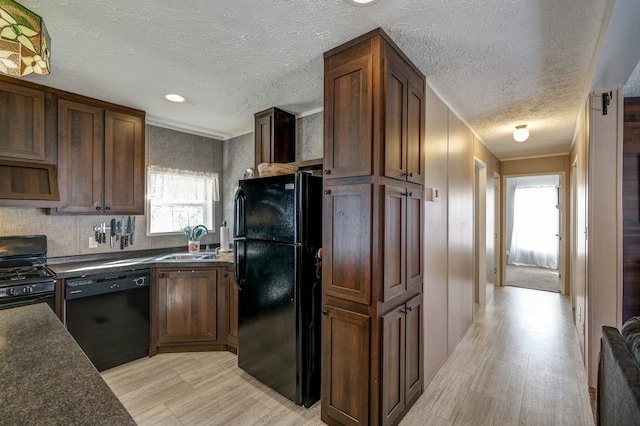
(497, 63)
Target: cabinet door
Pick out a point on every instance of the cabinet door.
(404, 121)
(393, 364)
(187, 306)
(263, 132)
(347, 242)
(345, 367)
(22, 122)
(123, 164)
(413, 348)
(80, 157)
(415, 234)
(415, 130)
(395, 139)
(395, 241)
(232, 309)
(348, 121)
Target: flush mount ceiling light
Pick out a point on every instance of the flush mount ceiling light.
(24, 41)
(362, 2)
(521, 134)
(174, 97)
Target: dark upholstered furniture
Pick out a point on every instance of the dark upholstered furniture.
(618, 393)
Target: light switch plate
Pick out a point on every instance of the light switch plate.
(435, 194)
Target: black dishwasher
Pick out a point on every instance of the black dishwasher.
(108, 315)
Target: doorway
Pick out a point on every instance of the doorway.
(532, 234)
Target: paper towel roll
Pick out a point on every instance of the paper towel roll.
(224, 238)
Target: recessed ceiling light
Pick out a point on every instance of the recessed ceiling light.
(174, 97)
(362, 2)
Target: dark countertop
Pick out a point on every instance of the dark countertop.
(70, 268)
(46, 378)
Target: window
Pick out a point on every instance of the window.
(177, 199)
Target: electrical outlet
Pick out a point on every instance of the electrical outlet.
(93, 243)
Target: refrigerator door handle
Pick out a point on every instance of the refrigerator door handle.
(239, 261)
(239, 214)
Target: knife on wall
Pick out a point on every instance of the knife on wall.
(132, 230)
(126, 238)
(112, 238)
(122, 232)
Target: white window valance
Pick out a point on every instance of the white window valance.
(182, 185)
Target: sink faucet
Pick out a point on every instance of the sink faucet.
(198, 232)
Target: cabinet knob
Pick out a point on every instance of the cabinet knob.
(98, 208)
(226, 275)
(407, 174)
(326, 172)
(406, 309)
(160, 275)
(107, 208)
(410, 174)
(325, 312)
(408, 194)
(327, 191)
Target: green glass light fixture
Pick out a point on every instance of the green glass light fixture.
(24, 41)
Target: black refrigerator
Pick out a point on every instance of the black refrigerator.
(277, 233)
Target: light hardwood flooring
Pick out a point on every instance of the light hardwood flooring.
(518, 364)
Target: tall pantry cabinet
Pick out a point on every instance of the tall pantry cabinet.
(372, 233)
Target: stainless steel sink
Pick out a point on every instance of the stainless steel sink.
(187, 257)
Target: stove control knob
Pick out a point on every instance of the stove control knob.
(27, 290)
(11, 291)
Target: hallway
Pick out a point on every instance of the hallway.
(518, 364)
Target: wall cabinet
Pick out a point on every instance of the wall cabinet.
(22, 122)
(372, 233)
(193, 309)
(348, 143)
(27, 145)
(275, 137)
(404, 120)
(100, 159)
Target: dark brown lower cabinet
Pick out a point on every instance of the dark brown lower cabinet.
(401, 359)
(231, 295)
(193, 309)
(187, 306)
(345, 373)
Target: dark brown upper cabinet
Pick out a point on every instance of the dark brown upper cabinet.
(275, 137)
(22, 122)
(374, 112)
(100, 159)
(405, 117)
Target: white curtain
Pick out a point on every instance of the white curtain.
(170, 184)
(534, 240)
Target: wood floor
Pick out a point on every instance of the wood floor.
(518, 364)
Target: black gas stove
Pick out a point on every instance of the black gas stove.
(24, 276)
